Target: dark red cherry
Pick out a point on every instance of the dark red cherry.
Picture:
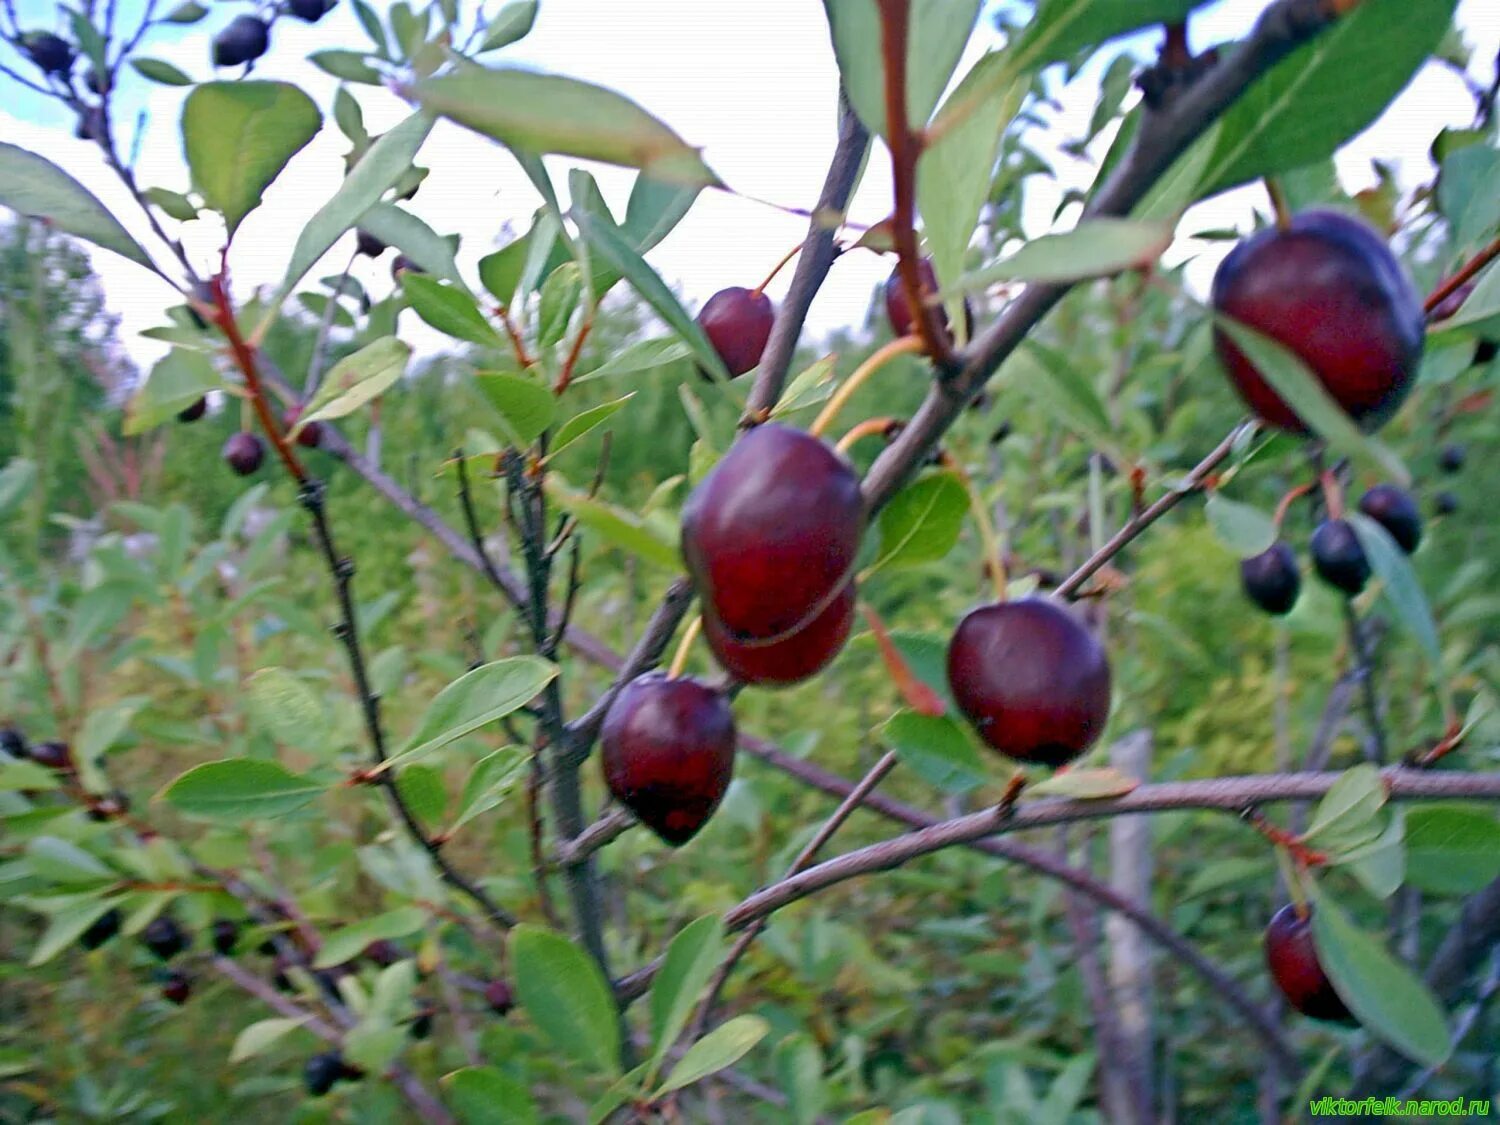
(381, 952)
(771, 533)
(225, 935)
(109, 806)
(500, 998)
(177, 987)
(53, 755)
(791, 659)
(738, 323)
(369, 245)
(1031, 679)
(1338, 557)
(106, 926)
(165, 938)
(51, 53)
(1395, 510)
(1271, 579)
(667, 749)
(1329, 288)
(401, 264)
(244, 452)
(898, 309)
(246, 39)
(193, 411)
(310, 10)
(311, 435)
(1293, 960)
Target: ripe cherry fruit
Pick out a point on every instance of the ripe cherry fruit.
(1271, 579)
(668, 753)
(106, 926)
(309, 436)
(791, 659)
(244, 452)
(310, 10)
(194, 410)
(322, 1071)
(225, 935)
(52, 54)
(1395, 510)
(500, 998)
(898, 308)
(771, 533)
(1329, 288)
(368, 244)
(177, 987)
(165, 938)
(1292, 958)
(1031, 679)
(53, 755)
(244, 40)
(1337, 556)
(738, 323)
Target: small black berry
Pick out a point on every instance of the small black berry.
(244, 452)
(1451, 458)
(1338, 558)
(1396, 511)
(225, 935)
(244, 40)
(165, 938)
(53, 54)
(193, 411)
(106, 926)
(177, 988)
(1271, 579)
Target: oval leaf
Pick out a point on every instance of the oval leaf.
(922, 522)
(32, 186)
(240, 789)
(356, 380)
(566, 997)
(259, 1037)
(1243, 529)
(684, 974)
(936, 749)
(1399, 584)
(477, 698)
(1452, 849)
(347, 943)
(724, 1046)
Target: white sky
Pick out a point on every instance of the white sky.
(753, 84)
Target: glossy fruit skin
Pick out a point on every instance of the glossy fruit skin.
(224, 935)
(53, 755)
(244, 452)
(1337, 556)
(1328, 288)
(110, 806)
(165, 938)
(500, 998)
(369, 245)
(1451, 458)
(401, 264)
(738, 323)
(51, 53)
(193, 412)
(667, 749)
(382, 953)
(1395, 510)
(13, 742)
(311, 435)
(106, 926)
(1271, 579)
(310, 10)
(177, 988)
(244, 40)
(898, 309)
(1293, 960)
(770, 535)
(793, 659)
(321, 1072)
(1032, 681)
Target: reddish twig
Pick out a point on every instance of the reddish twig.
(1464, 274)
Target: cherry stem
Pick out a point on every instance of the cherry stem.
(1279, 205)
(868, 428)
(684, 646)
(245, 360)
(566, 375)
(906, 345)
(1291, 875)
(517, 344)
(781, 265)
(1333, 494)
(1285, 503)
(989, 541)
(1464, 274)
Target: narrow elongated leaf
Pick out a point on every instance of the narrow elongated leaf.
(238, 136)
(356, 380)
(179, 379)
(1399, 584)
(450, 310)
(500, 272)
(526, 408)
(566, 997)
(475, 699)
(1095, 248)
(685, 972)
(488, 783)
(1085, 785)
(286, 708)
(1384, 995)
(922, 522)
(1452, 849)
(645, 355)
(544, 113)
(936, 749)
(1243, 529)
(618, 525)
(347, 943)
(240, 789)
(259, 1037)
(484, 1095)
(160, 71)
(1350, 803)
(66, 926)
(33, 186)
(724, 1046)
(106, 726)
(62, 861)
(585, 421)
(511, 23)
(430, 251)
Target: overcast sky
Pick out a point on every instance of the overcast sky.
(753, 84)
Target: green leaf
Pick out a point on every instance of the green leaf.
(684, 974)
(619, 526)
(545, 113)
(1384, 995)
(1094, 248)
(559, 298)
(1452, 849)
(937, 32)
(799, 1073)
(259, 1037)
(526, 408)
(1064, 27)
(380, 167)
(500, 272)
(1327, 91)
(511, 23)
(238, 136)
(62, 861)
(16, 482)
(177, 206)
(286, 708)
(476, 699)
(566, 996)
(66, 926)
(424, 791)
(16, 775)
(350, 66)
(32, 186)
(430, 251)
(936, 749)
(483, 1095)
(606, 240)
(347, 943)
(1399, 584)
(179, 379)
(1349, 804)
(1379, 864)
(644, 355)
(1295, 383)
(356, 380)
(488, 783)
(1084, 785)
(1464, 195)
(159, 70)
(448, 309)
(105, 726)
(810, 387)
(1243, 529)
(187, 13)
(240, 789)
(922, 522)
(722, 1047)
(373, 1046)
(584, 421)
(655, 207)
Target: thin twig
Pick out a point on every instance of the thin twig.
(1364, 664)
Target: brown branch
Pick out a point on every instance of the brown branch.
(1463, 275)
